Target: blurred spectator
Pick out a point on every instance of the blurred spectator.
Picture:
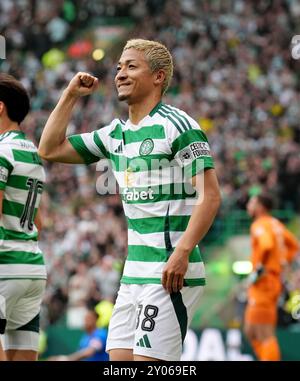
(92, 344)
(106, 277)
(79, 286)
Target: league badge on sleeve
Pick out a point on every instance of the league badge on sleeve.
(3, 174)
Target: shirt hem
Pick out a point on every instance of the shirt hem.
(137, 280)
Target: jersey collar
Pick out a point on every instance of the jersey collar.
(151, 113)
(156, 108)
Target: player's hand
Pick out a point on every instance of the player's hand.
(174, 271)
(255, 275)
(82, 84)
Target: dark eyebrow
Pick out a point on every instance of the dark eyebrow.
(126, 62)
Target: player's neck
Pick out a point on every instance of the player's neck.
(138, 111)
(7, 125)
(262, 215)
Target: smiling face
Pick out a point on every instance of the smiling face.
(134, 80)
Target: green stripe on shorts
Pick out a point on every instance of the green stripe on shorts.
(181, 312)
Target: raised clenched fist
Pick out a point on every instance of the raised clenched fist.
(82, 84)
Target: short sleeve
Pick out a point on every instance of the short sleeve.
(6, 167)
(192, 151)
(89, 146)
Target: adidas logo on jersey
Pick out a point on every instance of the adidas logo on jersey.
(144, 342)
(119, 149)
(134, 195)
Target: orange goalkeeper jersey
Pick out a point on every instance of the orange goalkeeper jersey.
(272, 244)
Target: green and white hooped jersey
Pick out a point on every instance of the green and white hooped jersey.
(22, 179)
(148, 161)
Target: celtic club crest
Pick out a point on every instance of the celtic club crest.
(146, 147)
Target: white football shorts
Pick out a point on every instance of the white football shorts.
(152, 322)
(20, 301)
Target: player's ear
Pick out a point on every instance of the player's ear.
(1, 107)
(160, 76)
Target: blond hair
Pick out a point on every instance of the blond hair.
(157, 56)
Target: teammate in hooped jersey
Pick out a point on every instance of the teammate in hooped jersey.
(22, 269)
(163, 277)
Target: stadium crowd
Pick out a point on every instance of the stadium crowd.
(233, 73)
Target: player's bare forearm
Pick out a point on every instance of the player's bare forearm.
(54, 133)
(53, 144)
(201, 219)
(203, 213)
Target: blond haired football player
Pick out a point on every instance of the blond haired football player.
(163, 277)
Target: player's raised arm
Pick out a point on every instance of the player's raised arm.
(53, 144)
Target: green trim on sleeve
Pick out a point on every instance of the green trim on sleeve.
(187, 138)
(78, 144)
(100, 145)
(197, 166)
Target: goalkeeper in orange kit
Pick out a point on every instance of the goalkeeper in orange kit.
(273, 247)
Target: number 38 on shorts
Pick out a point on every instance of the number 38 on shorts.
(156, 323)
